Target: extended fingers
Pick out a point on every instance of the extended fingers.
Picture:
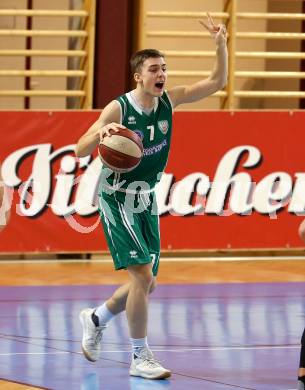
(210, 25)
(211, 21)
(205, 25)
(211, 29)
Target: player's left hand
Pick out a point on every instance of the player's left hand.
(218, 32)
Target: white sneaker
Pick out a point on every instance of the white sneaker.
(92, 335)
(145, 365)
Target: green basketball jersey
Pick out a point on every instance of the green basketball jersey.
(155, 131)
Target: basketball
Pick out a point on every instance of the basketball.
(122, 152)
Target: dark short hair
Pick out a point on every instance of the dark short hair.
(138, 58)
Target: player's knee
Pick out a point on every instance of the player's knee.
(147, 277)
(302, 230)
(153, 285)
(143, 274)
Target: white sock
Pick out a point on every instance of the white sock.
(104, 314)
(138, 344)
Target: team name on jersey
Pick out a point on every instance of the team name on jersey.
(155, 148)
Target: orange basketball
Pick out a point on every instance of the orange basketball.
(121, 152)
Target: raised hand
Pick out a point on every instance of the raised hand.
(218, 32)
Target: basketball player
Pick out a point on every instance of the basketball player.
(301, 372)
(133, 237)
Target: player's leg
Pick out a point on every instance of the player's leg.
(132, 249)
(117, 302)
(143, 362)
(124, 247)
(127, 248)
(99, 317)
(141, 278)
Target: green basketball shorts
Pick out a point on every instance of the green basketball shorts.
(131, 227)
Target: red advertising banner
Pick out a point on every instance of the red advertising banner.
(234, 180)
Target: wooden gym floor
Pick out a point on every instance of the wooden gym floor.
(172, 270)
(186, 272)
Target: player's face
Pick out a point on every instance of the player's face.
(153, 76)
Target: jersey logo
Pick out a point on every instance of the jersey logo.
(131, 120)
(163, 126)
(133, 254)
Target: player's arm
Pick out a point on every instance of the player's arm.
(218, 77)
(108, 120)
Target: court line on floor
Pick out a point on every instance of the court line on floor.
(156, 347)
(28, 341)
(164, 259)
(153, 349)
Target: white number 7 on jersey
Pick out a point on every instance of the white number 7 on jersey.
(152, 132)
(153, 258)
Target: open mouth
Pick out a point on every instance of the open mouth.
(159, 85)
